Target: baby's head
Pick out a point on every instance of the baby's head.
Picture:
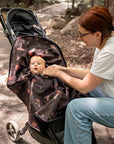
(37, 64)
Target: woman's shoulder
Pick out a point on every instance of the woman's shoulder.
(109, 46)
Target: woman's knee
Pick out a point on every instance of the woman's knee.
(80, 105)
(74, 105)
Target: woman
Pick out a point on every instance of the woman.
(95, 29)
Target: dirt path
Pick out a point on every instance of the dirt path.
(11, 108)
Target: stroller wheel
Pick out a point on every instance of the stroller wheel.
(13, 131)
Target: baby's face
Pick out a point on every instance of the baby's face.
(37, 65)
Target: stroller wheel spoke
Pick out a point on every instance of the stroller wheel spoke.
(13, 131)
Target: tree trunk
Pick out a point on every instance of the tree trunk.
(92, 3)
(106, 3)
(72, 4)
(17, 1)
(111, 8)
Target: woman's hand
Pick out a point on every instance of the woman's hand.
(59, 67)
(51, 71)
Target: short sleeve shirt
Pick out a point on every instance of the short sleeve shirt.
(103, 66)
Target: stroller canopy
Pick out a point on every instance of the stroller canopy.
(23, 22)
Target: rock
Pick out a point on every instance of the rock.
(57, 23)
(71, 28)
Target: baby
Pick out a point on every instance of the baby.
(37, 64)
(48, 94)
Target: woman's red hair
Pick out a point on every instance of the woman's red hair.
(97, 19)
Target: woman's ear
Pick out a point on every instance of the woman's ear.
(98, 34)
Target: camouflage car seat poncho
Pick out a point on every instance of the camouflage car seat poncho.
(45, 96)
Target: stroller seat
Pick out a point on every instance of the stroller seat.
(20, 78)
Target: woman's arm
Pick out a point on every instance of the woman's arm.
(85, 85)
(74, 72)
(88, 83)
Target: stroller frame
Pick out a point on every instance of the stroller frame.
(2, 20)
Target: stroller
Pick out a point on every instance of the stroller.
(27, 38)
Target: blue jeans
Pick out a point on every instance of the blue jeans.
(80, 114)
(97, 92)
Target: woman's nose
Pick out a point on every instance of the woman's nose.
(79, 38)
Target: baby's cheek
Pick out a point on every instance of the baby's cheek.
(41, 69)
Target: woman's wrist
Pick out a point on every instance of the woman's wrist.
(58, 73)
(63, 68)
